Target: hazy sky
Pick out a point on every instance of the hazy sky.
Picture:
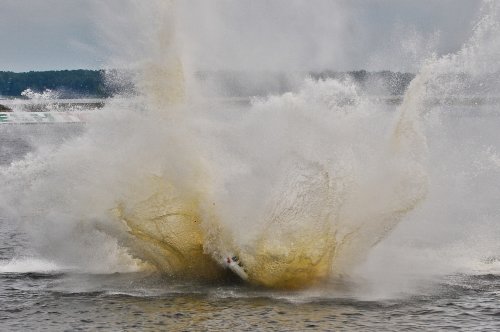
(256, 34)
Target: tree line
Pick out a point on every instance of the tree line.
(102, 84)
(68, 83)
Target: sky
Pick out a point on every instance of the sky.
(242, 35)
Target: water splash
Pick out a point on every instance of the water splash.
(300, 186)
(291, 212)
(47, 94)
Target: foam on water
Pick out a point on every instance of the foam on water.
(28, 265)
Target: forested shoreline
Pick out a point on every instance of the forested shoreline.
(93, 83)
(77, 83)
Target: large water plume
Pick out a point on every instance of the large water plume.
(300, 186)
